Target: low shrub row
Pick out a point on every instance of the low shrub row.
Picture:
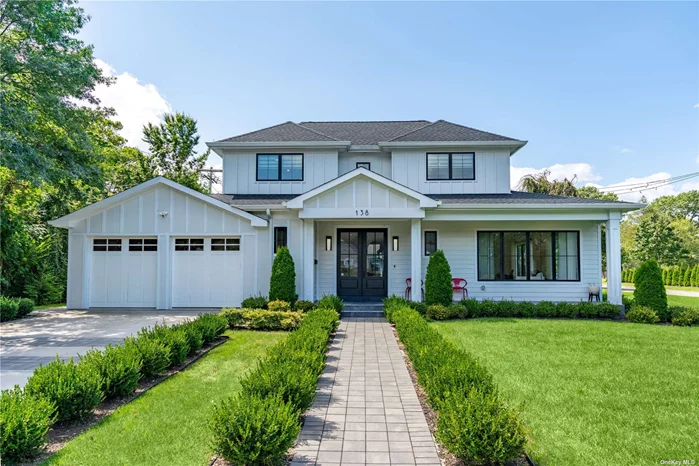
(66, 391)
(649, 314)
(260, 319)
(474, 422)
(471, 308)
(261, 302)
(14, 308)
(261, 422)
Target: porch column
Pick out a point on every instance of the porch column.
(614, 258)
(416, 259)
(308, 259)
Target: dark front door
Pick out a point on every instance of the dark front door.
(361, 263)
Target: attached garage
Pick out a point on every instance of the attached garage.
(162, 245)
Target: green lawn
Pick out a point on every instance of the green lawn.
(168, 425)
(670, 287)
(49, 306)
(686, 301)
(594, 392)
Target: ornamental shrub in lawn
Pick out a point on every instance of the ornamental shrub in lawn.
(304, 306)
(254, 302)
(685, 317)
(282, 284)
(331, 301)
(279, 306)
(437, 312)
(75, 389)
(642, 315)
(250, 430)
(479, 429)
(9, 307)
(155, 356)
(119, 367)
(438, 286)
(24, 423)
(650, 290)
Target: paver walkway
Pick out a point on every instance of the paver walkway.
(366, 409)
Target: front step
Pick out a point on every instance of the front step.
(363, 310)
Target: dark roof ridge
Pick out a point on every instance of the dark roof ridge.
(417, 129)
(366, 121)
(480, 130)
(313, 130)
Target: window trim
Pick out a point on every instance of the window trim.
(228, 241)
(274, 238)
(424, 241)
(357, 164)
(109, 244)
(140, 245)
(189, 244)
(451, 178)
(279, 166)
(528, 252)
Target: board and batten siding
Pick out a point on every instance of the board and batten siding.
(139, 217)
(380, 162)
(492, 172)
(458, 241)
(240, 172)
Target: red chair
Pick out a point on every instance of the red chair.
(409, 288)
(459, 284)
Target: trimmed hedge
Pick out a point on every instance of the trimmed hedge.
(474, 423)
(260, 424)
(14, 308)
(24, 422)
(259, 319)
(119, 367)
(471, 308)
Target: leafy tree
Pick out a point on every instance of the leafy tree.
(172, 146)
(540, 183)
(438, 285)
(282, 284)
(593, 192)
(656, 239)
(649, 289)
(681, 206)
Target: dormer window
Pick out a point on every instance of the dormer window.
(451, 166)
(279, 167)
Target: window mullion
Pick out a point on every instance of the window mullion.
(450, 175)
(527, 266)
(553, 255)
(502, 255)
(279, 167)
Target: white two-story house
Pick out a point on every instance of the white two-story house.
(361, 206)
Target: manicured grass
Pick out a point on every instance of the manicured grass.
(168, 425)
(49, 306)
(593, 392)
(686, 301)
(670, 287)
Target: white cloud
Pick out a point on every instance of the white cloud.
(584, 171)
(697, 158)
(135, 103)
(696, 106)
(651, 193)
(626, 150)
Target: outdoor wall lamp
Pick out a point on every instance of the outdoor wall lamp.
(328, 243)
(395, 243)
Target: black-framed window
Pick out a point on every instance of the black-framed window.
(430, 242)
(106, 244)
(280, 238)
(189, 244)
(366, 165)
(225, 244)
(143, 244)
(529, 255)
(451, 165)
(279, 167)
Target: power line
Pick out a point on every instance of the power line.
(647, 185)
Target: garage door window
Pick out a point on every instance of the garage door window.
(143, 244)
(189, 244)
(111, 245)
(225, 244)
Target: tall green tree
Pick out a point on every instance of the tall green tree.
(656, 240)
(172, 145)
(540, 183)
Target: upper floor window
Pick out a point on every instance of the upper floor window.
(279, 167)
(451, 166)
(366, 165)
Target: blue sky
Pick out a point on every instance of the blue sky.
(609, 91)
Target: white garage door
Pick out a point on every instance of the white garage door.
(123, 272)
(207, 272)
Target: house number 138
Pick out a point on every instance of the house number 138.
(362, 213)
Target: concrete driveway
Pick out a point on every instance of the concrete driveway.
(39, 337)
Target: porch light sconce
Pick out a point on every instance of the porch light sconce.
(328, 243)
(395, 243)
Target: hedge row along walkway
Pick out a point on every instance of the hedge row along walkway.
(366, 409)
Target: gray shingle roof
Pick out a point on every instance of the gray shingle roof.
(367, 132)
(446, 131)
(242, 200)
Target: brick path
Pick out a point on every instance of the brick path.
(366, 409)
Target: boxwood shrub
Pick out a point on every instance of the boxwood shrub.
(75, 389)
(25, 306)
(194, 336)
(685, 317)
(173, 338)
(210, 326)
(260, 424)
(642, 315)
(260, 319)
(24, 423)
(254, 302)
(9, 307)
(119, 367)
(331, 301)
(304, 306)
(474, 422)
(155, 356)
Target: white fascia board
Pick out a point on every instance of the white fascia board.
(544, 207)
(513, 145)
(280, 144)
(68, 221)
(425, 202)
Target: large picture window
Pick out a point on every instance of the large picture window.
(451, 166)
(529, 255)
(279, 167)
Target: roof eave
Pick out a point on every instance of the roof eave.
(627, 207)
(217, 146)
(513, 145)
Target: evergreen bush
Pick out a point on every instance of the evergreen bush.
(687, 281)
(331, 301)
(650, 291)
(254, 302)
(24, 422)
(438, 285)
(119, 367)
(676, 274)
(9, 307)
(685, 317)
(282, 284)
(25, 306)
(642, 315)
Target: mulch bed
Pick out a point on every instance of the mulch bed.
(447, 457)
(61, 433)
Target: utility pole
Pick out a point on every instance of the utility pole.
(210, 176)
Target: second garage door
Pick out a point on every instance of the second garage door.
(207, 272)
